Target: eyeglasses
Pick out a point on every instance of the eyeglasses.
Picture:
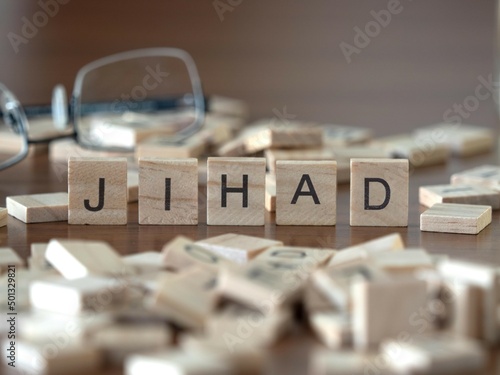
(155, 91)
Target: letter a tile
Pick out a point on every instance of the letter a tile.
(168, 191)
(306, 192)
(235, 189)
(97, 189)
(379, 192)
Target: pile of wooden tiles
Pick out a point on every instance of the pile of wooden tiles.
(217, 305)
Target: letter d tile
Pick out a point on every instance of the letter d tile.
(379, 192)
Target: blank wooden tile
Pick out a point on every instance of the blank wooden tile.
(463, 140)
(482, 276)
(455, 218)
(437, 353)
(167, 148)
(168, 191)
(8, 257)
(373, 314)
(132, 186)
(459, 193)
(39, 208)
(3, 217)
(145, 262)
(306, 259)
(97, 190)
(486, 175)
(270, 192)
(238, 247)
(361, 251)
(188, 299)
(306, 192)
(182, 253)
(46, 357)
(315, 300)
(344, 135)
(418, 154)
(333, 329)
(235, 191)
(79, 258)
(345, 362)
(401, 262)
(379, 192)
(467, 315)
(92, 293)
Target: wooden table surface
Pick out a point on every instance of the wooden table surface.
(36, 175)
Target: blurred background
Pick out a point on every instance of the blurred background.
(386, 64)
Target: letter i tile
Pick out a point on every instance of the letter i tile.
(97, 191)
(236, 191)
(379, 192)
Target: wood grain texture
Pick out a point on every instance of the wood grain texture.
(39, 208)
(168, 191)
(459, 193)
(306, 192)
(231, 208)
(86, 176)
(386, 201)
(455, 218)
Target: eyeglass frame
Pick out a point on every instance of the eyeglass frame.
(74, 108)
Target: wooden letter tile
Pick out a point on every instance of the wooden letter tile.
(237, 247)
(235, 189)
(3, 217)
(168, 191)
(306, 192)
(97, 190)
(39, 208)
(459, 193)
(75, 259)
(486, 175)
(455, 218)
(379, 192)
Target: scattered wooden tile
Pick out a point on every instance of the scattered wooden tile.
(463, 140)
(3, 217)
(345, 135)
(120, 340)
(374, 318)
(8, 257)
(45, 357)
(168, 148)
(418, 153)
(466, 320)
(306, 192)
(486, 175)
(361, 251)
(64, 296)
(333, 329)
(459, 193)
(401, 262)
(236, 191)
(188, 299)
(132, 186)
(237, 247)
(270, 203)
(288, 258)
(182, 253)
(145, 262)
(455, 218)
(345, 362)
(37, 260)
(79, 258)
(315, 300)
(228, 106)
(309, 154)
(481, 276)
(97, 190)
(168, 191)
(437, 353)
(379, 192)
(61, 150)
(39, 208)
